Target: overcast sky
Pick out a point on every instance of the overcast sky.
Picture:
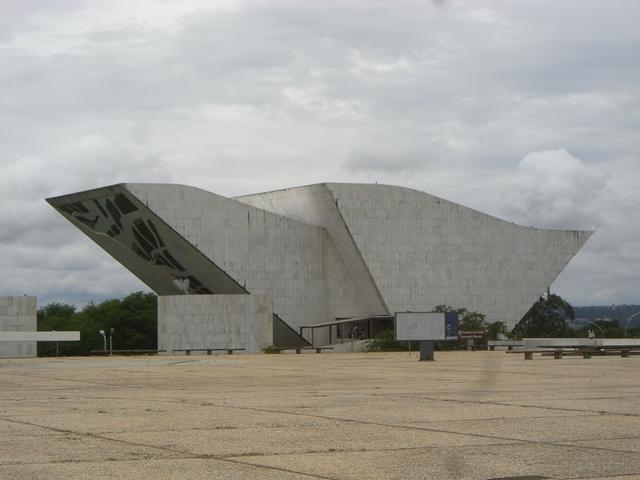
(527, 110)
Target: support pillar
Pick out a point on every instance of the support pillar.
(426, 350)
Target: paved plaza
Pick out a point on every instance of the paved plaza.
(475, 415)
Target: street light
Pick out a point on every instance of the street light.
(627, 323)
(111, 341)
(580, 323)
(56, 344)
(104, 338)
(596, 325)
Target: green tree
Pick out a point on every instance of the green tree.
(496, 330)
(54, 316)
(385, 342)
(133, 318)
(470, 321)
(473, 321)
(633, 332)
(548, 317)
(467, 320)
(601, 328)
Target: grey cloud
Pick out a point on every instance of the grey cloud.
(378, 161)
(446, 97)
(555, 189)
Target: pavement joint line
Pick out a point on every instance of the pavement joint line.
(588, 374)
(234, 458)
(230, 459)
(209, 404)
(615, 475)
(445, 369)
(429, 421)
(432, 447)
(537, 398)
(278, 469)
(408, 427)
(503, 404)
(621, 437)
(106, 433)
(186, 454)
(585, 413)
(367, 450)
(566, 443)
(420, 397)
(562, 443)
(199, 374)
(87, 382)
(86, 434)
(536, 417)
(192, 457)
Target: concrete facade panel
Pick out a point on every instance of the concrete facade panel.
(316, 205)
(295, 263)
(215, 321)
(424, 251)
(18, 314)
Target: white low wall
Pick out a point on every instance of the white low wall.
(554, 342)
(504, 344)
(68, 336)
(348, 346)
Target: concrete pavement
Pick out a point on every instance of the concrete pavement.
(475, 415)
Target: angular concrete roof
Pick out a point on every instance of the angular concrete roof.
(325, 251)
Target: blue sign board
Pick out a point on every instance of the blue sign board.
(451, 325)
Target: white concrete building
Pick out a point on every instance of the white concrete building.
(17, 315)
(312, 255)
(18, 328)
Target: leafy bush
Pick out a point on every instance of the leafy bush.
(548, 317)
(385, 342)
(271, 349)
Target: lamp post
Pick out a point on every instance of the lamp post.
(354, 331)
(581, 323)
(104, 339)
(596, 325)
(111, 341)
(56, 344)
(627, 323)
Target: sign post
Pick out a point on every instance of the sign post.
(470, 336)
(427, 328)
(426, 350)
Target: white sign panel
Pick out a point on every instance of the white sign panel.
(419, 326)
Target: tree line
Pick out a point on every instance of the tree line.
(619, 313)
(550, 317)
(133, 318)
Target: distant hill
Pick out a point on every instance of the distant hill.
(616, 312)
